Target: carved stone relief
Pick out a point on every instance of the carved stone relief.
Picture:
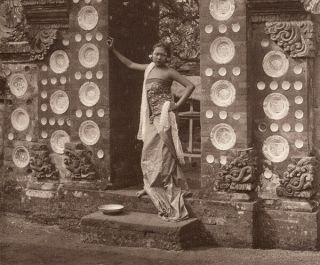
(41, 164)
(298, 180)
(78, 162)
(294, 37)
(312, 6)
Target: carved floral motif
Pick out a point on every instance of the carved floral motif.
(294, 37)
(12, 21)
(41, 166)
(41, 41)
(312, 6)
(298, 180)
(79, 162)
(238, 174)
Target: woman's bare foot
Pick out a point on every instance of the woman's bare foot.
(140, 193)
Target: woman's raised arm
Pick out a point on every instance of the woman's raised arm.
(127, 62)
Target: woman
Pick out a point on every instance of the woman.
(162, 154)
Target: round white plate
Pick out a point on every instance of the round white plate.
(276, 106)
(20, 119)
(222, 50)
(275, 64)
(88, 17)
(223, 93)
(89, 55)
(59, 61)
(89, 94)
(59, 102)
(58, 139)
(21, 156)
(221, 9)
(223, 136)
(89, 132)
(276, 148)
(18, 85)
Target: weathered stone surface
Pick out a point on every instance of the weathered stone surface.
(288, 229)
(140, 230)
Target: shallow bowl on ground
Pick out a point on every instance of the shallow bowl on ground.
(111, 208)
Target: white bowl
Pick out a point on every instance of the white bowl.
(111, 208)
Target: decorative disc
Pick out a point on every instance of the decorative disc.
(276, 106)
(223, 136)
(221, 9)
(89, 55)
(89, 132)
(59, 102)
(59, 61)
(223, 93)
(275, 64)
(18, 85)
(276, 148)
(58, 139)
(222, 50)
(88, 17)
(20, 156)
(89, 94)
(20, 119)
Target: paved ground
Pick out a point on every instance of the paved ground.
(25, 243)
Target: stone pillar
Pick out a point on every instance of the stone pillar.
(283, 49)
(225, 112)
(228, 164)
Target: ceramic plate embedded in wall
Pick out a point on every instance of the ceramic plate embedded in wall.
(59, 102)
(20, 156)
(221, 9)
(88, 17)
(276, 148)
(58, 139)
(89, 132)
(18, 85)
(222, 50)
(223, 93)
(89, 94)
(20, 119)
(223, 136)
(89, 55)
(276, 106)
(59, 61)
(275, 64)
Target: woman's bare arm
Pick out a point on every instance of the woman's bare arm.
(186, 83)
(127, 62)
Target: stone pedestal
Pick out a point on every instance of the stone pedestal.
(282, 228)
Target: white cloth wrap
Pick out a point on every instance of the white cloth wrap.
(167, 118)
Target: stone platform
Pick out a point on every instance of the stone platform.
(135, 229)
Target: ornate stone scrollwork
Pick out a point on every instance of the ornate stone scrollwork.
(41, 165)
(298, 180)
(238, 175)
(294, 37)
(40, 42)
(12, 21)
(79, 162)
(312, 6)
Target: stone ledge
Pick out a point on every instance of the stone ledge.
(288, 229)
(134, 229)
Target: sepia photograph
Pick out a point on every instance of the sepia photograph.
(159, 132)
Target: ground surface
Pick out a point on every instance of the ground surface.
(25, 243)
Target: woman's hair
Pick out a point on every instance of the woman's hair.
(163, 45)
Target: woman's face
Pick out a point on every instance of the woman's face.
(159, 56)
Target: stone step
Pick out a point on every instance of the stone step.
(136, 229)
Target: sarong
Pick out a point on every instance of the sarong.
(162, 174)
